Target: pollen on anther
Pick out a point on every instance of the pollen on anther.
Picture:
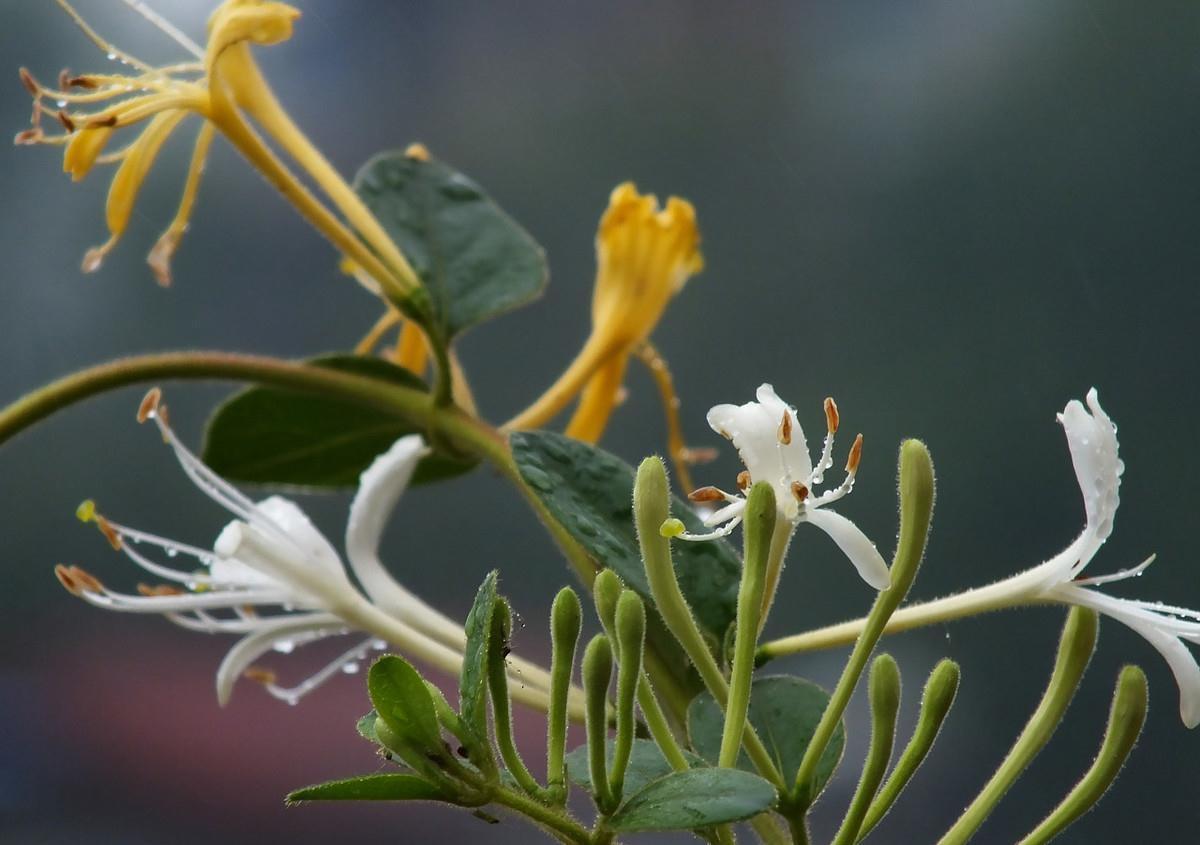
(743, 480)
(800, 491)
(852, 461)
(86, 511)
(706, 494)
(77, 581)
(831, 415)
(785, 429)
(63, 574)
(149, 406)
(263, 676)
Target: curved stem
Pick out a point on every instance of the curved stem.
(561, 825)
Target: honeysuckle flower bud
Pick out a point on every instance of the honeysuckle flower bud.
(273, 578)
(771, 443)
(644, 256)
(225, 89)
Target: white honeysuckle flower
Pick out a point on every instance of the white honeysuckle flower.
(274, 578)
(771, 443)
(1092, 438)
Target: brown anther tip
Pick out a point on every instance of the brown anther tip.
(743, 480)
(855, 456)
(695, 455)
(27, 137)
(102, 122)
(706, 494)
(155, 590)
(63, 574)
(263, 676)
(831, 415)
(87, 582)
(417, 152)
(92, 260)
(65, 120)
(149, 405)
(110, 533)
(800, 491)
(64, 78)
(82, 82)
(785, 429)
(31, 84)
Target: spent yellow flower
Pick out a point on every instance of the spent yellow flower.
(645, 253)
(226, 90)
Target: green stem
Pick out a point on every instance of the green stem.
(1074, 650)
(798, 827)
(564, 827)
(916, 512)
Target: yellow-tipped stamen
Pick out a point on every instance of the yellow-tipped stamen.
(160, 255)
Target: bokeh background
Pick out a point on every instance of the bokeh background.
(954, 217)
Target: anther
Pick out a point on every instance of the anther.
(92, 259)
(785, 429)
(63, 574)
(263, 676)
(156, 590)
(102, 122)
(855, 455)
(65, 120)
(672, 528)
(31, 84)
(64, 78)
(743, 480)
(86, 511)
(27, 137)
(149, 406)
(82, 82)
(831, 415)
(161, 413)
(110, 533)
(695, 455)
(800, 491)
(417, 152)
(706, 494)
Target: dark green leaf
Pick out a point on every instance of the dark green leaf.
(784, 710)
(692, 799)
(390, 787)
(474, 260)
(590, 492)
(646, 763)
(403, 703)
(366, 727)
(473, 681)
(268, 435)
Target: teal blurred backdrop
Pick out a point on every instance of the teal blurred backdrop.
(953, 217)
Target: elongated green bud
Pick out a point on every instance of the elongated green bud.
(883, 691)
(606, 590)
(597, 675)
(566, 618)
(501, 706)
(630, 639)
(757, 530)
(1125, 721)
(1074, 651)
(939, 694)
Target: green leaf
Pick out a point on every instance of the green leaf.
(268, 435)
(390, 787)
(366, 727)
(646, 763)
(692, 799)
(785, 711)
(473, 681)
(589, 491)
(474, 260)
(403, 703)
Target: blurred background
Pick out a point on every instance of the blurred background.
(953, 217)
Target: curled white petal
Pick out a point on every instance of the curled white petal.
(854, 544)
(754, 430)
(1092, 438)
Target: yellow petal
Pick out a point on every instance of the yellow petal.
(83, 149)
(123, 191)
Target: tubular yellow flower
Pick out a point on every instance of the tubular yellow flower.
(227, 91)
(644, 256)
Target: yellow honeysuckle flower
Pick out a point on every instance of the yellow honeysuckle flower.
(226, 90)
(644, 255)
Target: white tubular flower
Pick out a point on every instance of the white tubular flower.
(272, 577)
(771, 443)
(1092, 438)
